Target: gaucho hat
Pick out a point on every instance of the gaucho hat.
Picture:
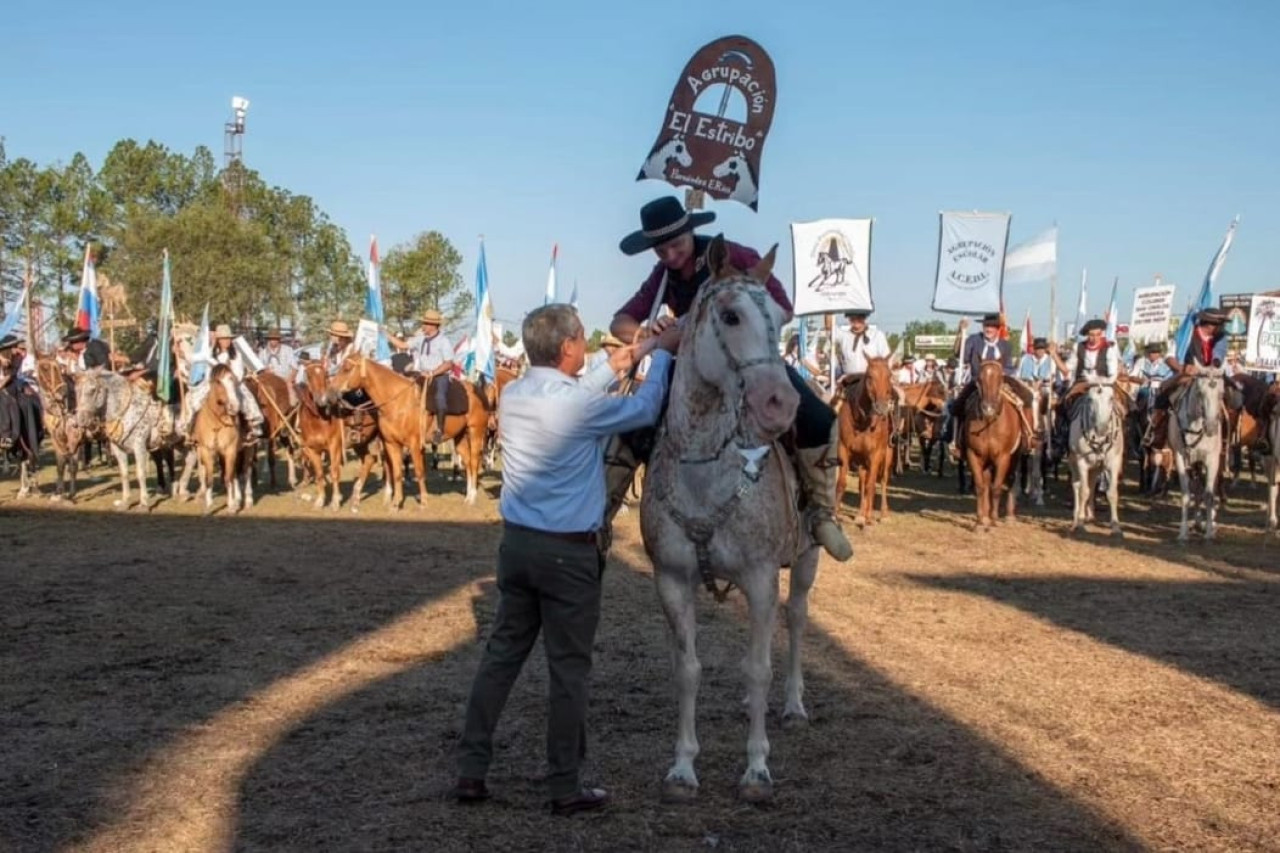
(76, 336)
(1094, 325)
(661, 220)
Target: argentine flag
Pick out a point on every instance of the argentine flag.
(482, 342)
(373, 303)
(1205, 298)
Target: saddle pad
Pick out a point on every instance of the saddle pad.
(456, 400)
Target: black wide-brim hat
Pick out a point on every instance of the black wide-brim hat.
(8, 342)
(1039, 343)
(76, 336)
(992, 320)
(661, 220)
(1153, 348)
(1093, 325)
(1211, 316)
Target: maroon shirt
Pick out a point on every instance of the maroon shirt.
(680, 293)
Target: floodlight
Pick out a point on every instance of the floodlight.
(239, 104)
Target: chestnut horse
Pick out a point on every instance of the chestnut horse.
(320, 426)
(992, 438)
(865, 425)
(272, 394)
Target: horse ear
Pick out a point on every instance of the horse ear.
(717, 257)
(761, 271)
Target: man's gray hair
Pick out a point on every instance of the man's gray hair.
(546, 329)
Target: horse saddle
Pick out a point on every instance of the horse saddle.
(456, 402)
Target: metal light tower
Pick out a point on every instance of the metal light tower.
(233, 151)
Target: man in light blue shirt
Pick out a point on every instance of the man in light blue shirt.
(1037, 367)
(553, 428)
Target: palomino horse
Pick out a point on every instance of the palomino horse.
(1195, 437)
(401, 419)
(1096, 447)
(131, 419)
(272, 394)
(720, 501)
(320, 424)
(219, 438)
(864, 438)
(60, 424)
(992, 438)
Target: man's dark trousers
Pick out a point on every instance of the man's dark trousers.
(549, 584)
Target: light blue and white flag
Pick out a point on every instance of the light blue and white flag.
(482, 342)
(373, 303)
(202, 352)
(1034, 260)
(1205, 298)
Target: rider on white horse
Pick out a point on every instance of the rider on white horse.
(1095, 361)
(1207, 347)
(667, 229)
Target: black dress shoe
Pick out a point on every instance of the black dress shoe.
(585, 800)
(470, 790)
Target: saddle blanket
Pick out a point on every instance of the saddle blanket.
(456, 402)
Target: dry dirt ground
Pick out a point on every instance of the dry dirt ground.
(291, 680)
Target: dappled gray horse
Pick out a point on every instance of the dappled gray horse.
(1195, 437)
(1095, 445)
(720, 503)
(131, 419)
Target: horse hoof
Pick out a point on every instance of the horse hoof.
(679, 791)
(1117, 533)
(793, 720)
(757, 790)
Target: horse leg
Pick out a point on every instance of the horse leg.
(981, 488)
(677, 597)
(231, 479)
(1113, 492)
(842, 476)
(122, 459)
(249, 468)
(1185, 479)
(884, 491)
(394, 454)
(206, 477)
(420, 471)
(761, 589)
(866, 493)
(1000, 487)
(803, 574)
(181, 486)
(335, 473)
(1273, 489)
(1079, 492)
(315, 464)
(1211, 477)
(471, 451)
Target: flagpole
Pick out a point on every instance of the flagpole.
(1053, 308)
(26, 287)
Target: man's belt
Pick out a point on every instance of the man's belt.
(583, 537)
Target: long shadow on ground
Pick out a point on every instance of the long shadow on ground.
(131, 634)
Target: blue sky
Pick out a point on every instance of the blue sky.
(1141, 128)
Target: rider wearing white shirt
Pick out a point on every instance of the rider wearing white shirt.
(433, 361)
(856, 344)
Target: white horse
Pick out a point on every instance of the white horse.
(132, 420)
(1096, 447)
(1195, 437)
(744, 190)
(719, 502)
(1273, 472)
(673, 149)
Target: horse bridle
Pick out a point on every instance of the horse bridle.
(1198, 435)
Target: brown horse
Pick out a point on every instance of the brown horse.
(60, 423)
(219, 437)
(272, 394)
(491, 392)
(320, 426)
(992, 438)
(924, 403)
(864, 438)
(467, 432)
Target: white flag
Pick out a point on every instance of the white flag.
(832, 265)
(971, 250)
(1034, 260)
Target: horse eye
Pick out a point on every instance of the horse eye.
(730, 317)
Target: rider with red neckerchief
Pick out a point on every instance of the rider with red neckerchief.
(668, 229)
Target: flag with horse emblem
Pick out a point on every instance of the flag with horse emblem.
(832, 265)
(970, 274)
(713, 133)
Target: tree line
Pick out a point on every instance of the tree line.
(259, 255)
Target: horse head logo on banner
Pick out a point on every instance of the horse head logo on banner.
(719, 115)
